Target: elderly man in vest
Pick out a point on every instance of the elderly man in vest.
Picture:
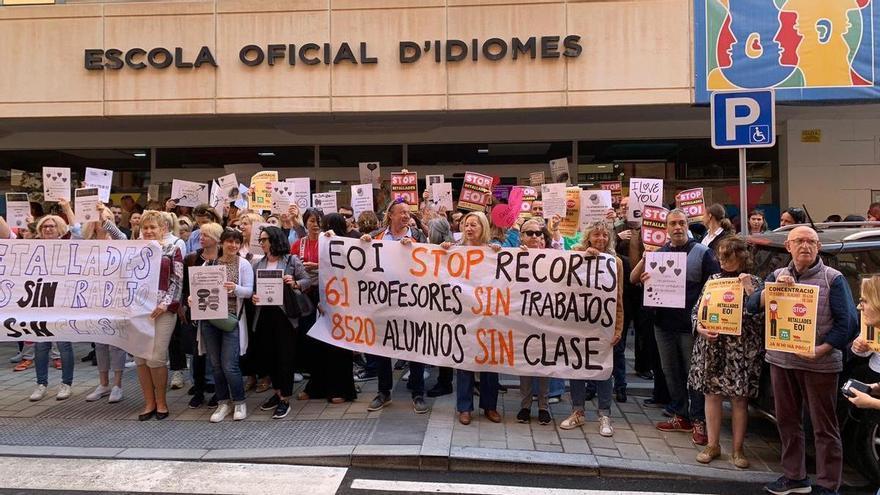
(812, 379)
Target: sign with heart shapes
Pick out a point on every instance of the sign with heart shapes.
(56, 183)
(665, 288)
(370, 173)
(283, 195)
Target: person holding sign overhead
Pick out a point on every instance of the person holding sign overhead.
(728, 365)
(153, 372)
(475, 232)
(797, 379)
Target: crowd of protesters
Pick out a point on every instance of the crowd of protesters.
(266, 347)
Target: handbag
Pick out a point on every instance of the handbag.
(296, 304)
(229, 323)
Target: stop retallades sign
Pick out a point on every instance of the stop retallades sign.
(654, 226)
(692, 202)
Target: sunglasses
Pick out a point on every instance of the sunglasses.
(532, 233)
(346, 215)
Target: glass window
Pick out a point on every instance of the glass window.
(538, 154)
(351, 156)
(268, 156)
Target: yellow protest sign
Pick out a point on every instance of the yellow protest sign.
(790, 317)
(721, 306)
(570, 224)
(870, 335)
(260, 197)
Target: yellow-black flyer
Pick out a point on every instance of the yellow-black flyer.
(720, 308)
(870, 334)
(790, 317)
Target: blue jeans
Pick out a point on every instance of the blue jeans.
(557, 387)
(41, 362)
(223, 353)
(579, 394)
(464, 391)
(675, 350)
(619, 373)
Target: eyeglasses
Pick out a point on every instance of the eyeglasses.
(263, 239)
(801, 241)
(47, 227)
(532, 233)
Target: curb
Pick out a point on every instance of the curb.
(461, 459)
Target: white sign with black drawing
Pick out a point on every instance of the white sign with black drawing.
(283, 195)
(430, 180)
(594, 207)
(100, 178)
(325, 201)
(441, 195)
(18, 209)
(56, 183)
(209, 298)
(191, 194)
(86, 205)
(270, 287)
(228, 188)
(302, 192)
(370, 174)
(643, 192)
(559, 171)
(553, 196)
(361, 199)
(665, 286)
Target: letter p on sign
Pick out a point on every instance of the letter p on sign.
(743, 119)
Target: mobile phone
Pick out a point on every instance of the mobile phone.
(855, 384)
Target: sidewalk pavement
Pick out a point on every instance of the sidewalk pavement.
(316, 432)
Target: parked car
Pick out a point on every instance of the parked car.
(853, 248)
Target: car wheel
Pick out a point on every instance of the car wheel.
(868, 448)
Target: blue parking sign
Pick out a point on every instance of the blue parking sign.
(743, 119)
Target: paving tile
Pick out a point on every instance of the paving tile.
(624, 436)
(548, 448)
(548, 437)
(606, 452)
(490, 444)
(686, 456)
(656, 446)
(575, 446)
(630, 451)
(573, 433)
(597, 441)
(679, 439)
(520, 442)
(647, 431)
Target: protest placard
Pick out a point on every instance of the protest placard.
(505, 215)
(254, 246)
(101, 179)
(85, 205)
(571, 222)
(210, 300)
(56, 183)
(187, 193)
(270, 285)
(692, 202)
(406, 185)
(643, 192)
(594, 207)
(470, 307)
(530, 195)
(869, 334)
(18, 209)
(283, 195)
(228, 188)
(325, 201)
(370, 173)
(430, 180)
(559, 171)
(476, 192)
(665, 287)
(720, 308)
(615, 188)
(654, 235)
(80, 291)
(790, 317)
(260, 194)
(361, 199)
(302, 191)
(441, 196)
(536, 178)
(553, 196)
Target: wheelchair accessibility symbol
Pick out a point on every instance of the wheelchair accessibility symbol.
(759, 134)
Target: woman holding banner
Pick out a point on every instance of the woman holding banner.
(274, 328)
(153, 372)
(597, 242)
(729, 365)
(475, 232)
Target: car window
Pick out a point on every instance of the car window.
(768, 259)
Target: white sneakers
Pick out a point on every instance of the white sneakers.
(115, 395)
(63, 392)
(605, 428)
(100, 392)
(240, 412)
(177, 381)
(38, 394)
(220, 414)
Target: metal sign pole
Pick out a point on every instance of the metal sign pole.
(743, 194)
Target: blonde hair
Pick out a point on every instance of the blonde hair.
(185, 221)
(212, 230)
(484, 223)
(170, 222)
(871, 291)
(153, 216)
(60, 225)
(585, 238)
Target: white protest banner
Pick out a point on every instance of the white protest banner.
(100, 178)
(56, 183)
(692, 202)
(80, 291)
(302, 192)
(228, 188)
(470, 307)
(370, 173)
(361, 199)
(260, 198)
(325, 201)
(210, 300)
(254, 246)
(553, 196)
(594, 207)
(665, 287)
(643, 192)
(270, 287)
(654, 235)
(441, 196)
(559, 171)
(186, 193)
(283, 195)
(536, 178)
(86, 205)
(18, 209)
